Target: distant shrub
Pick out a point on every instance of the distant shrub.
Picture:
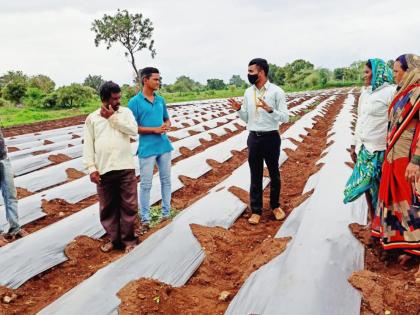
(74, 95)
(34, 97)
(14, 90)
(4, 102)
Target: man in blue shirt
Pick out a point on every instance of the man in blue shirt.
(153, 122)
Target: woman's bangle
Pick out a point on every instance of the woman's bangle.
(415, 160)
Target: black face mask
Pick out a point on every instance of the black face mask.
(252, 78)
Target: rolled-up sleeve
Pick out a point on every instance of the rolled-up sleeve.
(280, 112)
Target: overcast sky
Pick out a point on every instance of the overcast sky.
(204, 39)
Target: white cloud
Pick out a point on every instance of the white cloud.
(204, 39)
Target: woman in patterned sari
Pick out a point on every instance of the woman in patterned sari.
(369, 142)
(397, 221)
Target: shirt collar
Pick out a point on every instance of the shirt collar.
(265, 86)
(98, 111)
(144, 97)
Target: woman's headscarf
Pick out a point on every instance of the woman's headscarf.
(381, 73)
(411, 65)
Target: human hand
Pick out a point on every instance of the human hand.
(95, 178)
(107, 112)
(265, 106)
(234, 104)
(412, 173)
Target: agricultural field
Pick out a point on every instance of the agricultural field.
(207, 259)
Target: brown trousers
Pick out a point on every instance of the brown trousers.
(118, 205)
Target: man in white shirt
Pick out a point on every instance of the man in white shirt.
(264, 107)
(108, 156)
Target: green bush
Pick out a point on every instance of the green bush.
(42, 82)
(74, 95)
(34, 97)
(128, 92)
(14, 90)
(50, 101)
(4, 102)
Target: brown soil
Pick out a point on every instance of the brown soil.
(384, 293)
(85, 258)
(384, 283)
(57, 210)
(42, 126)
(206, 144)
(221, 269)
(41, 290)
(12, 149)
(39, 152)
(195, 189)
(22, 192)
(73, 174)
(230, 254)
(46, 142)
(59, 158)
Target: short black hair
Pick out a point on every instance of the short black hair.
(147, 72)
(369, 64)
(107, 88)
(261, 63)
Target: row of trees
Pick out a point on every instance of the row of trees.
(299, 74)
(40, 90)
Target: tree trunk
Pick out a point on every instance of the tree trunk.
(133, 63)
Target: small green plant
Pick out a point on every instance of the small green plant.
(156, 214)
(293, 119)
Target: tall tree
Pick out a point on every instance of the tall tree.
(237, 81)
(12, 76)
(132, 31)
(185, 84)
(215, 84)
(94, 81)
(42, 82)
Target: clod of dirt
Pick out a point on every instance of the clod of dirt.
(22, 192)
(73, 174)
(382, 293)
(224, 296)
(59, 158)
(12, 149)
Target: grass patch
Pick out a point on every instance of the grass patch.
(293, 119)
(156, 214)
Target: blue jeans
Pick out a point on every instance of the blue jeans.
(147, 165)
(9, 195)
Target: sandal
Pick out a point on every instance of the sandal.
(107, 247)
(144, 228)
(254, 219)
(129, 248)
(3, 241)
(279, 214)
(22, 233)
